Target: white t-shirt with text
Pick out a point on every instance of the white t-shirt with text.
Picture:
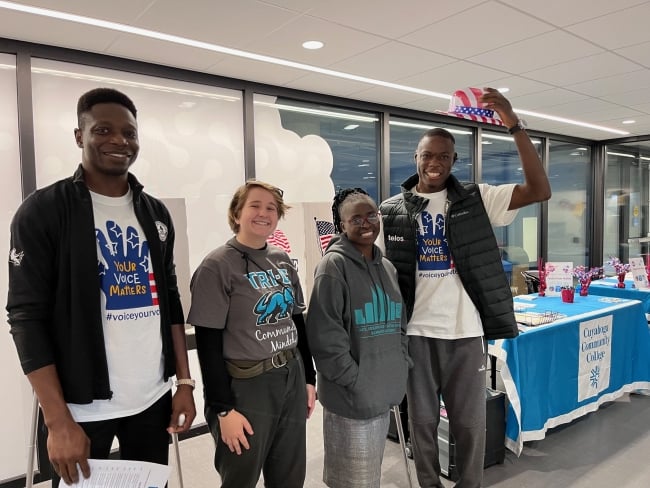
(443, 309)
(130, 313)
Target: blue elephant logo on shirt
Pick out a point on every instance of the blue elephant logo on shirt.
(274, 306)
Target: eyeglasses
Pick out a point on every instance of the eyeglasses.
(372, 218)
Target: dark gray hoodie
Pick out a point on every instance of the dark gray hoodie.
(356, 328)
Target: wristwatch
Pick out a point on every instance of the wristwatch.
(224, 413)
(520, 125)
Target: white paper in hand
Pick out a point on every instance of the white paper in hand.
(113, 473)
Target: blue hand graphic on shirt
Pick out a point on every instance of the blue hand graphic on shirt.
(124, 271)
(433, 251)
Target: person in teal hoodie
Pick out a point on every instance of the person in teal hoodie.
(356, 329)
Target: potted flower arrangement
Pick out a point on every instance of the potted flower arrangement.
(620, 269)
(584, 276)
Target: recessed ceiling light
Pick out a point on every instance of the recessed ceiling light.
(503, 90)
(312, 44)
(582, 149)
(628, 122)
(350, 126)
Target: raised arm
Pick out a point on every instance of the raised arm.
(536, 187)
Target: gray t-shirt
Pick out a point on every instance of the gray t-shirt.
(251, 294)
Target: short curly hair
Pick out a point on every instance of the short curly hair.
(241, 194)
(103, 95)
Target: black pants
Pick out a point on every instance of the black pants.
(142, 437)
(275, 404)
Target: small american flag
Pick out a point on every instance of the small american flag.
(279, 239)
(325, 232)
(154, 289)
(465, 104)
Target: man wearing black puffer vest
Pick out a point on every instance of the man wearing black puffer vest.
(438, 234)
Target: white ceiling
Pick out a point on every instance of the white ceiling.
(586, 60)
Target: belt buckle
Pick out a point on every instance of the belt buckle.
(277, 356)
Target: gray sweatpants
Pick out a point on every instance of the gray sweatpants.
(454, 369)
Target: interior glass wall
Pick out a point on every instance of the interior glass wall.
(312, 150)
(626, 228)
(404, 137)
(14, 384)
(568, 210)
(519, 240)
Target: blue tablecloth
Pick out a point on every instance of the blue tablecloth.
(607, 287)
(558, 372)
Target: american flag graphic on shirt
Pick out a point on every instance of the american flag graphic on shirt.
(279, 239)
(153, 288)
(325, 231)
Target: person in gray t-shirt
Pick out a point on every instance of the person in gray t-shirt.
(257, 369)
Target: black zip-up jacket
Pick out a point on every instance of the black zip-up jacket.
(471, 242)
(54, 289)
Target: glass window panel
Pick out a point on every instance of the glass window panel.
(14, 385)
(626, 227)
(501, 164)
(311, 150)
(568, 210)
(405, 134)
(191, 141)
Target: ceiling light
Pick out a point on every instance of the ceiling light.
(427, 127)
(506, 138)
(503, 90)
(115, 26)
(486, 142)
(570, 121)
(582, 149)
(623, 155)
(628, 122)
(312, 44)
(315, 111)
(350, 126)
(135, 84)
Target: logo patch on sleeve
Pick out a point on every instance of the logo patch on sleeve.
(16, 257)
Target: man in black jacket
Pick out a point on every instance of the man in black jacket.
(93, 304)
(438, 234)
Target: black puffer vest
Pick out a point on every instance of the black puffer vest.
(472, 245)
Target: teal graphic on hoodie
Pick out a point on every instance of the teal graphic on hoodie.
(379, 316)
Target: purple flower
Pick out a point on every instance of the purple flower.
(584, 274)
(618, 266)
